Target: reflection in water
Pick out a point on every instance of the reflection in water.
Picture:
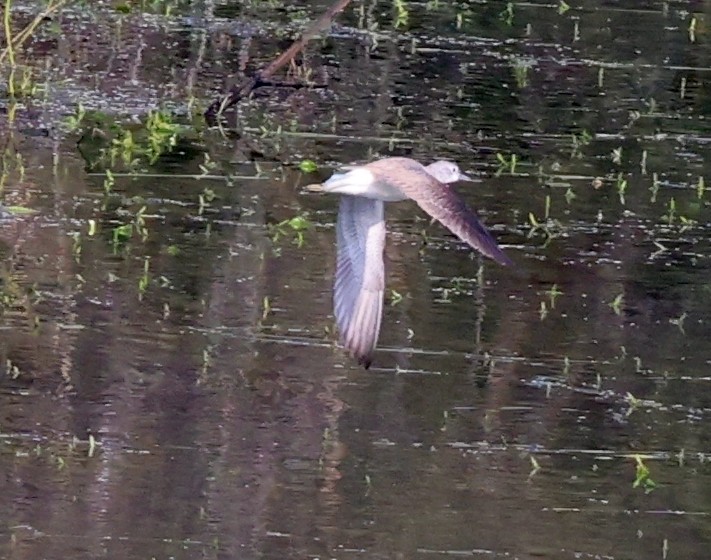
(506, 415)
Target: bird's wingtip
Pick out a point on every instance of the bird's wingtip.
(365, 361)
(504, 260)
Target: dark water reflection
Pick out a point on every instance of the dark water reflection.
(504, 410)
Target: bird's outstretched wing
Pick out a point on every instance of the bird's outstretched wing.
(360, 275)
(445, 205)
(442, 203)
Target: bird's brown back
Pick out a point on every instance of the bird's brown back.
(440, 201)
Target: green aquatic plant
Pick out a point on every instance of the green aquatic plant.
(22, 86)
(563, 7)
(293, 227)
(654, 189)
(671, 212)
(128, 143)
(463, 16)
(617, 303)
(207, 166)
(74, 121)
(633, 402)
(445, 421)
(205, 198)
(535, 467)
(123, 8)
(660, 249)
(543, 311)
(19, 210)
(368, 483)
(266, 308)
(681, 457)
(20, 166)
(144, 280)
(651, 104)
(395, 297)
(11, 370)
(679, 322)
(9, 50)
(686, 223)
(507, 15)
(92, 446)
(445, 297)
(120, 235)
(616, 155)
(566, 367)
(550, 227)
(578, 142)
(506, 163)
(12, 294)
(300, 73)
(672, 216)
(402, 14)
(621, 188)
(692, 30)
(162, 134)
(139, 222)
(520, 68)
(643, 478)
(12, 163)
(125, 147)
(108, 182)
(206, 359)
(307, 166)
(270, 127)
(553, 294)
(76, 245)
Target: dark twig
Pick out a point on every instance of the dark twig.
(292, 85)
(261, 78)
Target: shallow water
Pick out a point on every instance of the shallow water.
(509, 413)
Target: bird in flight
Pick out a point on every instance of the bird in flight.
(360, 229)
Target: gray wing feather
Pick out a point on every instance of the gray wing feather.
(441, 202)
(446, 206)
(360, 274)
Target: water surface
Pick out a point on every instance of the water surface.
(509, 413)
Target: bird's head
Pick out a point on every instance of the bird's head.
(446, 172)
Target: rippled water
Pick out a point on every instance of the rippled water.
(181, 396)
